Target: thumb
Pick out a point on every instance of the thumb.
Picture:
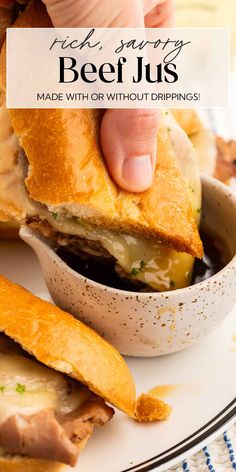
(128, 139)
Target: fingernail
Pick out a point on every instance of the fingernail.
(138, 172)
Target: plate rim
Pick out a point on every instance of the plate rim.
(194, 442)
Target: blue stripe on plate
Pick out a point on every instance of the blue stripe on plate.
(185, 466)
(208, 459)
(230, 451)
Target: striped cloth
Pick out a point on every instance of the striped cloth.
(219, 456)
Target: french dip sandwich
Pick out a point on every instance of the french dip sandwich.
(46, 413)
(53, 178)
(55, 374)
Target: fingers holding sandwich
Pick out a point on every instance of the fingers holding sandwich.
(129, 139)
(95, 13)
(162, 15)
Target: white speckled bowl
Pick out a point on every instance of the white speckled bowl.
(150, 324)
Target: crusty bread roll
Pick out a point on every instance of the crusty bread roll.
(27, 464)
(66, 345)
(71, 347)
(75, 175)
(60, 342)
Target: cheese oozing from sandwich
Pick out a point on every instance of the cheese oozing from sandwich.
(154, 264)
(27, 387)
(13, 195)
(43, 413)
(151, 263)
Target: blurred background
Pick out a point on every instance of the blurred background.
(208, 13)
(215, 14)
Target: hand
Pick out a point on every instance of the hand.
(128, 137)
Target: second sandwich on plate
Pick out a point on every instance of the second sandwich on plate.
(55, 376)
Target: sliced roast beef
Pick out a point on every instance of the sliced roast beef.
(87, 257)
(46, 436)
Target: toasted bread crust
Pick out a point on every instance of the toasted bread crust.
(65, 344)
(71, 139)
(75, 175)
(26, 464)
(149, 408)
(4, 218)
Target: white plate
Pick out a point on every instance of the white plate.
(204, 402)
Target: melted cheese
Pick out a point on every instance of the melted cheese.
(13, 196)
(158, 266)
(42, 388)
(154, 264)
(148, 262)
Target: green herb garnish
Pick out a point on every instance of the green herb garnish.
(2, 389)
(55, 215)
(136, 270)
(142, 265)
(20, 388)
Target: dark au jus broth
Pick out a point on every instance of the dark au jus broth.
(102, 270)
(213, 261)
